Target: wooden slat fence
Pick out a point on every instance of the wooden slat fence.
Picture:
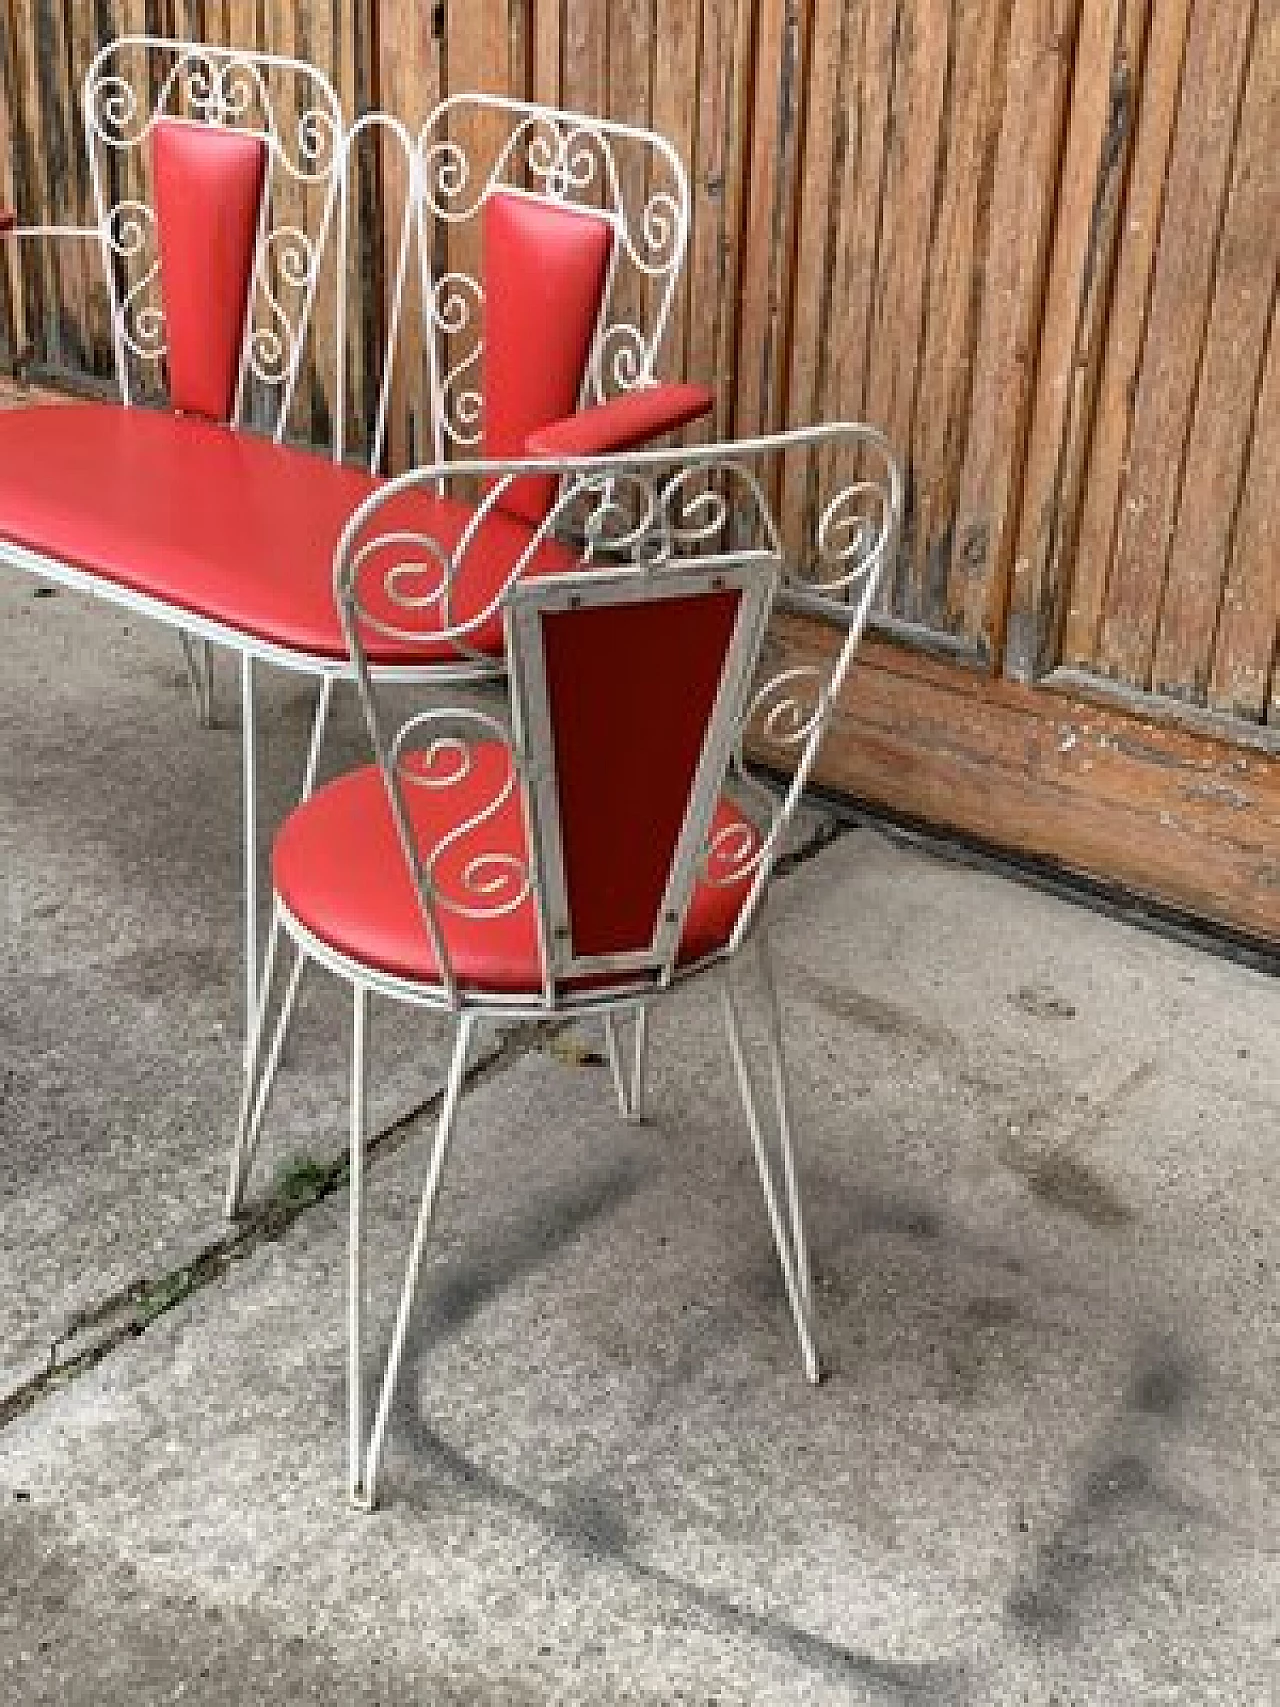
(1036, 240)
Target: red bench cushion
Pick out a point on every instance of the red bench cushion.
(226, 525)
(339, 869)
(545, 269)
(208, 193)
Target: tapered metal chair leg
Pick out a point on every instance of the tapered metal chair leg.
(364, 1460)
(249, 789)
(355, 1250)
(798, 1295)
(782, 1098)
(629, 1088)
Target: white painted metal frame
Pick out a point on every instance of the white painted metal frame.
(664, 513)
(476, 144)
(568, 157)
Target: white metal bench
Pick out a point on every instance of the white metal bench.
(226, 227)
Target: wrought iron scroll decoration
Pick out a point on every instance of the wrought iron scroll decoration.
(489, 883)
(224, 87)
(569, 159)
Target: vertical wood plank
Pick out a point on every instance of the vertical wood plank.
(1248, 261)
(1247, 634)
(34, 205)
(548, 35)
(867, 81)
(715, 253)
(631, 49)
(674, 115)
(1125, 330)
(520, 47)
(585, 55)
(13, 319)
(907, 228)
(1180, 299)
(1080, 273)
(826, 143)
(781, 66)
(409, 85)
(1038, 77)
(288, 34)
(980, 48)
(83, 43)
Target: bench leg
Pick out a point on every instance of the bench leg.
(317, 736)
(260, 1074)
(198, 657)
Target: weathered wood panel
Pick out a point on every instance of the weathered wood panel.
(1188, 820)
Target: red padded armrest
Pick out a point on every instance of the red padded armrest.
(623, 422)
(8, 219)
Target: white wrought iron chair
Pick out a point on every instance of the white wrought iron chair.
(216, 534)
(584, 855)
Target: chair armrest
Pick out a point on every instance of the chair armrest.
(623, 422)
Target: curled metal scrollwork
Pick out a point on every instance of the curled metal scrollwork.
(455, 308)
(130, 234)
(431, 752)
(853, 533)
(412, 576)
(289, 257)
(787, 708)
(215, 86)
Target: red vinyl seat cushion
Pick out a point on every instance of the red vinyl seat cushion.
(231, 527)
(339, 869)
(208, 192)
(545, 269)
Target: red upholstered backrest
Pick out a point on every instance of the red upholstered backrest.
(208, 193)
(545, 271)
(631, 689)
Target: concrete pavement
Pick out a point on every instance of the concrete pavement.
(1041, 1160)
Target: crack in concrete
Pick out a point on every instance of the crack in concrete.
(127, 1313)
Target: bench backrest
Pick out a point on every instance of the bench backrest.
(218, 179)
(489, 315)
(485, 341)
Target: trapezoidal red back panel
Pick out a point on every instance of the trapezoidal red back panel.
(545, 271)
(631, 689)
(208, 196)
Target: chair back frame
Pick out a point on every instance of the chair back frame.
(703, 510)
